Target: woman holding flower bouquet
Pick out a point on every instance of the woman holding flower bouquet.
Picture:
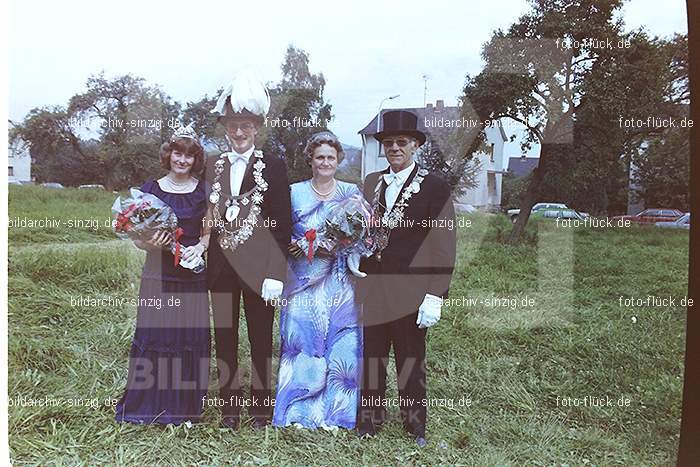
(169, 358)
(321, 341)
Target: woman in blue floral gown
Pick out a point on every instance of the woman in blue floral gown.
(321, 341)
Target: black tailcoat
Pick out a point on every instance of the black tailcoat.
(420, 257)
(418, 260)
(231, 274)
(262, 255)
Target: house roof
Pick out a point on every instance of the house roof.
(522, 166)
(422, 113)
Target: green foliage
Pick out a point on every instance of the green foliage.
(108, 135)
(513, 190)
(298, 98)
(458, 172)
(662, 159)
(111, 133)
(205, 123)
(549, 72)
(662, 171)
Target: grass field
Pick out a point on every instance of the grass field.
(514, 365)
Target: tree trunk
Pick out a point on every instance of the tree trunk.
(532, 196)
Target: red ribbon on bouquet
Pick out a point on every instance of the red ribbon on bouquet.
(178, 234)
(123, 223)
(310, 235)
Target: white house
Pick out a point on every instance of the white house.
(19, 165)
(486, 196)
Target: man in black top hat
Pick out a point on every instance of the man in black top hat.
(250, 220)
(407, 277)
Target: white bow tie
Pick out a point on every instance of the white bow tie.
(234, 157)
(391, 178)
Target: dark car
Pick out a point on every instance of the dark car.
(652, 216)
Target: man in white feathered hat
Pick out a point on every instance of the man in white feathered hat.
(250, 220)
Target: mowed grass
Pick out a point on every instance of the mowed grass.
(510, 363)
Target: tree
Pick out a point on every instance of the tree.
(205, 123)
(513, 190)
(662, 159)
(133, 119)
(565, 73)
(662, 171)
(110, 134)
(297, 111)
(58, 154)
(459, 172)
(625, 85)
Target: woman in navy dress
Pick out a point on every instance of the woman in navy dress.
(169, 358)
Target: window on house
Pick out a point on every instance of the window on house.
(490, 152)
(10, 171)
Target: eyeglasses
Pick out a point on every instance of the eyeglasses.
(232, 126)
(400, 142)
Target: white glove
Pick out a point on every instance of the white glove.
(429, 311)
(354, 265)
(271, 289)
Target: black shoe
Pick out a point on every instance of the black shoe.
(421, 442)
(366, 431)
(231, 422)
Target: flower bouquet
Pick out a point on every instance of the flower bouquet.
(347, 227)
(141, 215)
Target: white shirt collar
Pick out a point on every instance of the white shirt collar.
(233, 155)
(402, 175)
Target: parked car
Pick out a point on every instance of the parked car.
(52, 185)
(557, 214)
(513, 213)
(652, 216)
(682, 222)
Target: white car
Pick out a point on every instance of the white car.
(682, 222)
(513, 213)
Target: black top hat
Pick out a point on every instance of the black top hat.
(230, 113)
(400, 122)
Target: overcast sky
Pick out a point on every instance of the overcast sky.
(367, 50)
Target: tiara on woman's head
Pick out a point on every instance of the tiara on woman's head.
(184, 132)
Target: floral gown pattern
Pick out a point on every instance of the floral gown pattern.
(321, 341)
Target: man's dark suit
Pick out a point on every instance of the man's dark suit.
(229, 273)
(418, 260)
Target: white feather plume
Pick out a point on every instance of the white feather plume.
(246, 92)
